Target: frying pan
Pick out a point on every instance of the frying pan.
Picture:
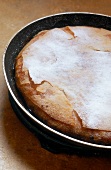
(19, 41)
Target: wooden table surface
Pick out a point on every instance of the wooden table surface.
(19, 148)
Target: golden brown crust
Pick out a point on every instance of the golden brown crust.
(52, 106)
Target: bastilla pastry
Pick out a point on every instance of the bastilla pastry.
(64, 75)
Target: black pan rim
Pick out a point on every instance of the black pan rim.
(71, 139)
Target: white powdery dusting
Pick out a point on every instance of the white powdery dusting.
(81, 66)
(97, 101)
